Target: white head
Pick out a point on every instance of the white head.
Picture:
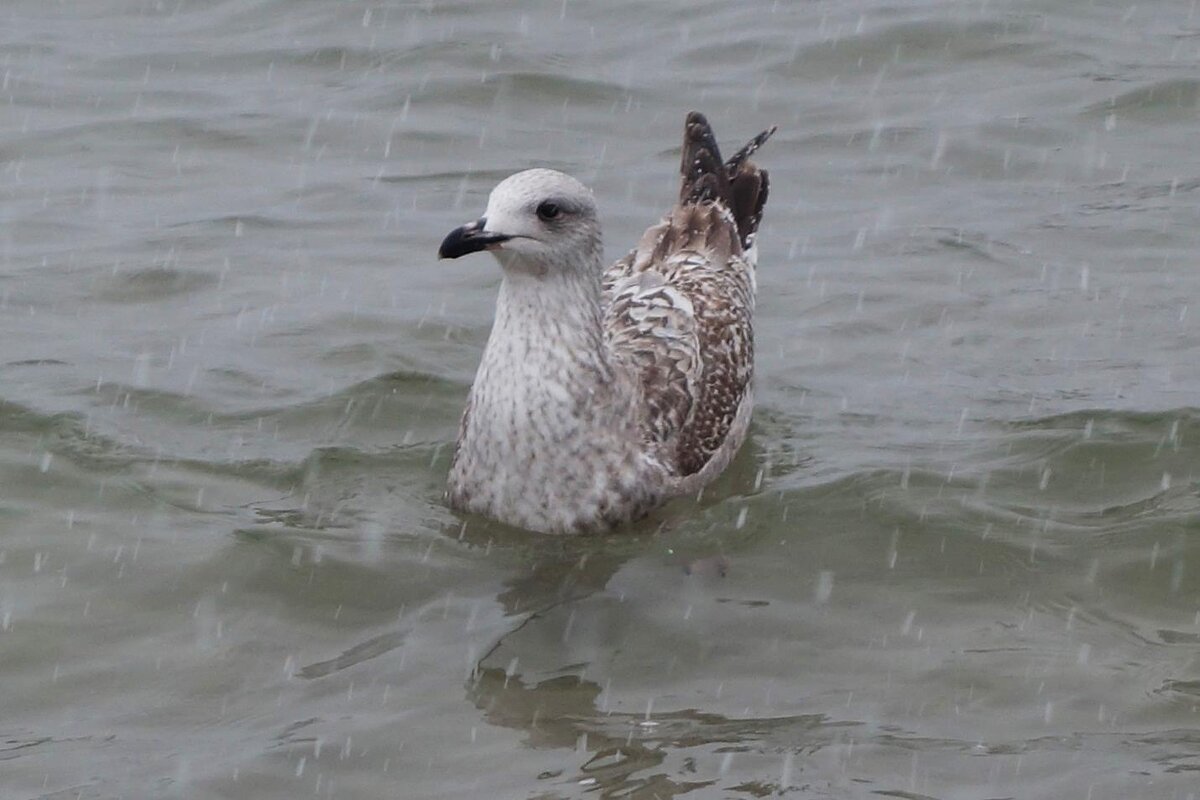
(536, 222)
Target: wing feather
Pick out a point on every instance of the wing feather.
(679, 312)
(679, 307)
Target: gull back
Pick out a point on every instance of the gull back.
(679, 309)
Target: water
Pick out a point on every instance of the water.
(959, 557)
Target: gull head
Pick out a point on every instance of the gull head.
(539, 221)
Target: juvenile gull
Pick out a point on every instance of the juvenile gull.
(603, 393)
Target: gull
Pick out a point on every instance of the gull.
(602, 393)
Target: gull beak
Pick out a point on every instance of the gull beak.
(470, 238)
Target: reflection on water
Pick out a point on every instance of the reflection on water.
(618, 753)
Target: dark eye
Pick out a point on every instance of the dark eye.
(547, 210)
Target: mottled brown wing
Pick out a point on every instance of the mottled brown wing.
(723, 300)
(651, 327)
(679, 309)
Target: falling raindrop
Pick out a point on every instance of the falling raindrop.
(1176, 576)
(824, 587)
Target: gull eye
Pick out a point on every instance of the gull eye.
(547, 211)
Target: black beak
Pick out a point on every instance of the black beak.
(470, 238)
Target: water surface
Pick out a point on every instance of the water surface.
(958, 558)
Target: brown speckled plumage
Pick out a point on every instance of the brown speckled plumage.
(603, 393)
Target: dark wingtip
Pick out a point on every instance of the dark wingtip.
(735, 162)
(697, 133)
(737, 183)
(704, 176)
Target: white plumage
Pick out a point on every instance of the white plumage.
(603, 393)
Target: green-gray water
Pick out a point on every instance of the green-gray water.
(959, 558)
